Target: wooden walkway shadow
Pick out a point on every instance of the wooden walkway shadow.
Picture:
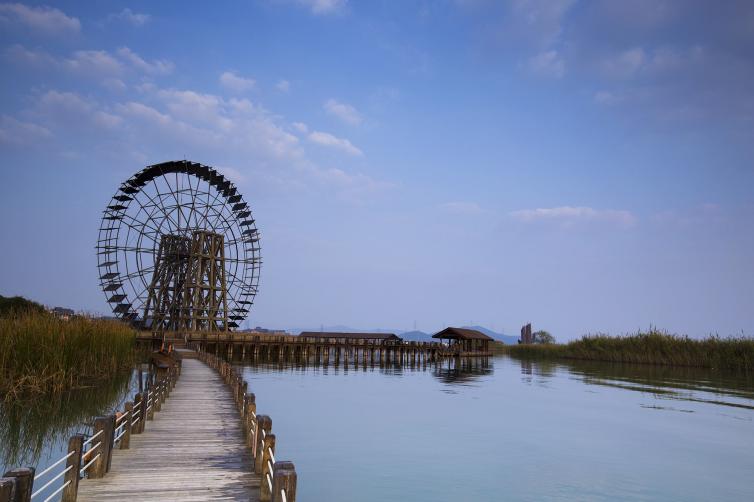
(193, 450)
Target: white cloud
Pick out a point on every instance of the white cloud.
(234, 82)
(343, 111)
(625, 64)
(547, 64)
(283, 86)
(93, 63)
(464, 208)
(66, 109)
(324, 6)
(607, 98)
(20, 54)
(327, 139)
(97, 63)
(131, 17)
(43, 19)
(18, 133)
(300, 127)
(234, 131)
(156, 67)
(569, 215)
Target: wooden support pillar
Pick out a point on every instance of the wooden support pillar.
(76, 445)
(125, 440)
(264, 423)
(284, 479)
(23, 483)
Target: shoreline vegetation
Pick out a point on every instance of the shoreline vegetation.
(43, 354)
(653, 347)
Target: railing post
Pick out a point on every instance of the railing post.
(24, 483)
(264, 426)
(7, 486)
(149, 408)
(76, 445)
(158, 396)
(125, 440)
(284, 478)
(102, 465)
(242, 400)
(265, 492)
(138, 407)
(249, 414)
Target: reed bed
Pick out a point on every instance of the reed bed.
(653, 347)
(44, 354)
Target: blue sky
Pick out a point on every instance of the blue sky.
(584, 166)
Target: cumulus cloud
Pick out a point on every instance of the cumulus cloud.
(569, 215)
(93, 63)
(321, 7)
(98, 63)
(131, 17)
(343, 111)
(156, 67)
(234, 82)
(328, 140)
(43, 19)
(57, 108)
(14, 132)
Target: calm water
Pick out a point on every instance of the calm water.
(35, 433)
(511, 430)
(505, 430)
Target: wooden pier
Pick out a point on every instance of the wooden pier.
(195, 450)
(328, 348)
(206, 442)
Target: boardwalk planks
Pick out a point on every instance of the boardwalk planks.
(194, 449)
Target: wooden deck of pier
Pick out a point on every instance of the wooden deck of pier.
(193, 450)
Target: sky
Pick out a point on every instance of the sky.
(585, 166)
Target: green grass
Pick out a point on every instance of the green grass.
(40, 353)
(653, 347)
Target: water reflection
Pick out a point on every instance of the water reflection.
(449, 371)
(702, 385)
(30, 429)
(462, 371)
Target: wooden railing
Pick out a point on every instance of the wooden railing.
(89, 457)
(278, 476)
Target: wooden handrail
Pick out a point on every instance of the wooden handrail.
(17, 484)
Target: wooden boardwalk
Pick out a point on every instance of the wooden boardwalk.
(193, 450)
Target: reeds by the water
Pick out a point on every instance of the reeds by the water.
(40, 353)
(653, 347)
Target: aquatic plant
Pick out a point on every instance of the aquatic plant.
(42, 353)
(652, 347)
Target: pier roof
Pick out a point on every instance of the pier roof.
(352, 336)
(461, 334)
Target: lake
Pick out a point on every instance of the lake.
(511, 430)
(500, 429)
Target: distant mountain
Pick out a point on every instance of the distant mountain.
(339, 328)
(417, 336)
(507, 339)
